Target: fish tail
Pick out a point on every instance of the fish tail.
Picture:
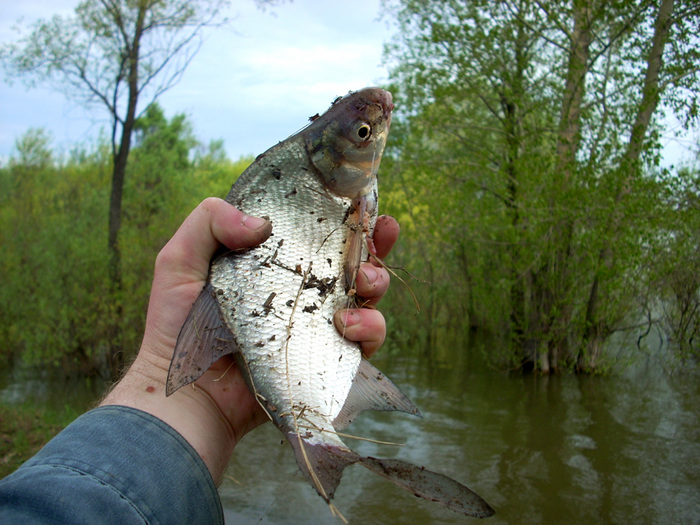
(430, 486)
(323, 465)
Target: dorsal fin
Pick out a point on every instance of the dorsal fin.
(203, 339)
(372, 390)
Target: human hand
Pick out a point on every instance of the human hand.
(366, 325)
(215, 414)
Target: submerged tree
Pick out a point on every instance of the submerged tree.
(544, 120)
(112, 54)
(674, 258)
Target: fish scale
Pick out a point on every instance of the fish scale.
(272, 306)
(297, 326)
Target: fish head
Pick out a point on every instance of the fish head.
(346, 143)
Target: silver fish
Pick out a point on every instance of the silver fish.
(272, 306)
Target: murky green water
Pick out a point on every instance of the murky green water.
(51, 389)
(539, 450)
(619, 449)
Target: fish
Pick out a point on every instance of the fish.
(272, 306)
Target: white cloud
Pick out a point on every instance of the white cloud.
(252, 83)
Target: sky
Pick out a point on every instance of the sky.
(252, 84)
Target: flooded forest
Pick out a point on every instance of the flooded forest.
(549, 256)
(524, 165)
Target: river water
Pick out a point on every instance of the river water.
(566, 449)
(618, 449)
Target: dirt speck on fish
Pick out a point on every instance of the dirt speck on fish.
(272, 306)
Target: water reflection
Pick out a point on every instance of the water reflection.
(52, 389)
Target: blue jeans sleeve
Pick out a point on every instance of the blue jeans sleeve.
(112, 465)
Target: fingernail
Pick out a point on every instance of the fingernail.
(253, 223)
(349, 318)
(385, 218)
(370, 273)
(370, 246)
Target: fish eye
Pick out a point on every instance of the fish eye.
(364, 131)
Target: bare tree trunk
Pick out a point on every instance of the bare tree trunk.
(115, 354)
(512, 126)
(430, 315)
(629, 167)
(470, 311)
(517, 286)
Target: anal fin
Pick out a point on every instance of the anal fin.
(203, 339)
(372, 390)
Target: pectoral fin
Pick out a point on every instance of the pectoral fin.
(372, 390)
(203, 339)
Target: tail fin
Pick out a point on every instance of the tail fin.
(430, 485)
(323, 464)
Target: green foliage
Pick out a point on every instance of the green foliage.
(524, 169)
(113, 54)
(673, 259)
(89, 55)
(52, 219)
(55, 299)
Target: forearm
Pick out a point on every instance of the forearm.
(190, 411)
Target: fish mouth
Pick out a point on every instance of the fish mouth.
(380, 98)
(385, 101)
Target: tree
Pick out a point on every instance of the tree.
(53, 258)
(543, 118)
(674, 259)
(53, 232)
(629, 164)
(112, 53)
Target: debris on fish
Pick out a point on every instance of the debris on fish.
(272, 306)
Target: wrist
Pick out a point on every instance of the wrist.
(190, 411)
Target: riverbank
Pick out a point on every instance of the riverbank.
(27, 427)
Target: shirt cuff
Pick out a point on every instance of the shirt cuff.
(113, 464)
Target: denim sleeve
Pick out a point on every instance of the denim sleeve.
(112, 465)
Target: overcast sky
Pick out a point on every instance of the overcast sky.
(252, 84)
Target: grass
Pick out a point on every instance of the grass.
(27, 427)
